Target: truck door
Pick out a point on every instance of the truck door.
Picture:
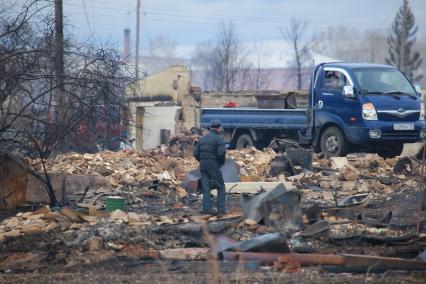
(331, 105)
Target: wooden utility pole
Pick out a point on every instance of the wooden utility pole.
(59, 41)
(59, 70)
(138, 8)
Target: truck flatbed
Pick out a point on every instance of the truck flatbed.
(257, 118)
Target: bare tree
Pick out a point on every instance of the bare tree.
(258, 76)
(201, 62)
(352, 45)
(161, 54)
(162, 46)
(91, 85)
(376, 46)
(225, 62)
(231, 65)
(295, 35)
(338, 42)
(226, 57)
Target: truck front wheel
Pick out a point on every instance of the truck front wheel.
(244, 141)
(333, 142)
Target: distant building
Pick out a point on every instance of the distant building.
(159, 106)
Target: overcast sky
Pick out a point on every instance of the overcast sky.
(191, 21)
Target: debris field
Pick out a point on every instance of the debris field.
(353, 214)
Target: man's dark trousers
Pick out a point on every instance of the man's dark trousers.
(216, 175)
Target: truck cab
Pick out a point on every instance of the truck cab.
(366, 105)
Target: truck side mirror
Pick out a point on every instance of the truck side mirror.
(348, 92)
(418, 89)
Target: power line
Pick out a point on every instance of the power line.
(201, 15)
(211, 19)
(312, 25)
(175, 30)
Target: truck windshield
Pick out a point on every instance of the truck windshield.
(383, 81)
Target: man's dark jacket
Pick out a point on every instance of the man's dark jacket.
(210, 151)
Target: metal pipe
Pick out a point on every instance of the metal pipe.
(313, 259)
(264, 257)
(270, 258)
(378, 264)
(344, 262)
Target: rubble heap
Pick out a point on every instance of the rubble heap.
(125, 167)
(354, 174)
(358, 204)
(130, 172)
(92, 230)
(150, 178)
(164, 163)
(146, 178)
(253, 163)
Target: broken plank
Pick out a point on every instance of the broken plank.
(381, 179)
(255, 187)
(184, 254)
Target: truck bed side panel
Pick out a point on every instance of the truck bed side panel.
(256, 118)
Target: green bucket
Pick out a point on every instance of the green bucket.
(114, 203)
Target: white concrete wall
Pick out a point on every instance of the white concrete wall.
(155, 119)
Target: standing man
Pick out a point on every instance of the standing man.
(210, 152)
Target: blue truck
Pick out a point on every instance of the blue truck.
(351, 106)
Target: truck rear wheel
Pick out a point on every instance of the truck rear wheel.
(244, 141)
(333, 142)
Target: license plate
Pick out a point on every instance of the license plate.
(403, 126)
